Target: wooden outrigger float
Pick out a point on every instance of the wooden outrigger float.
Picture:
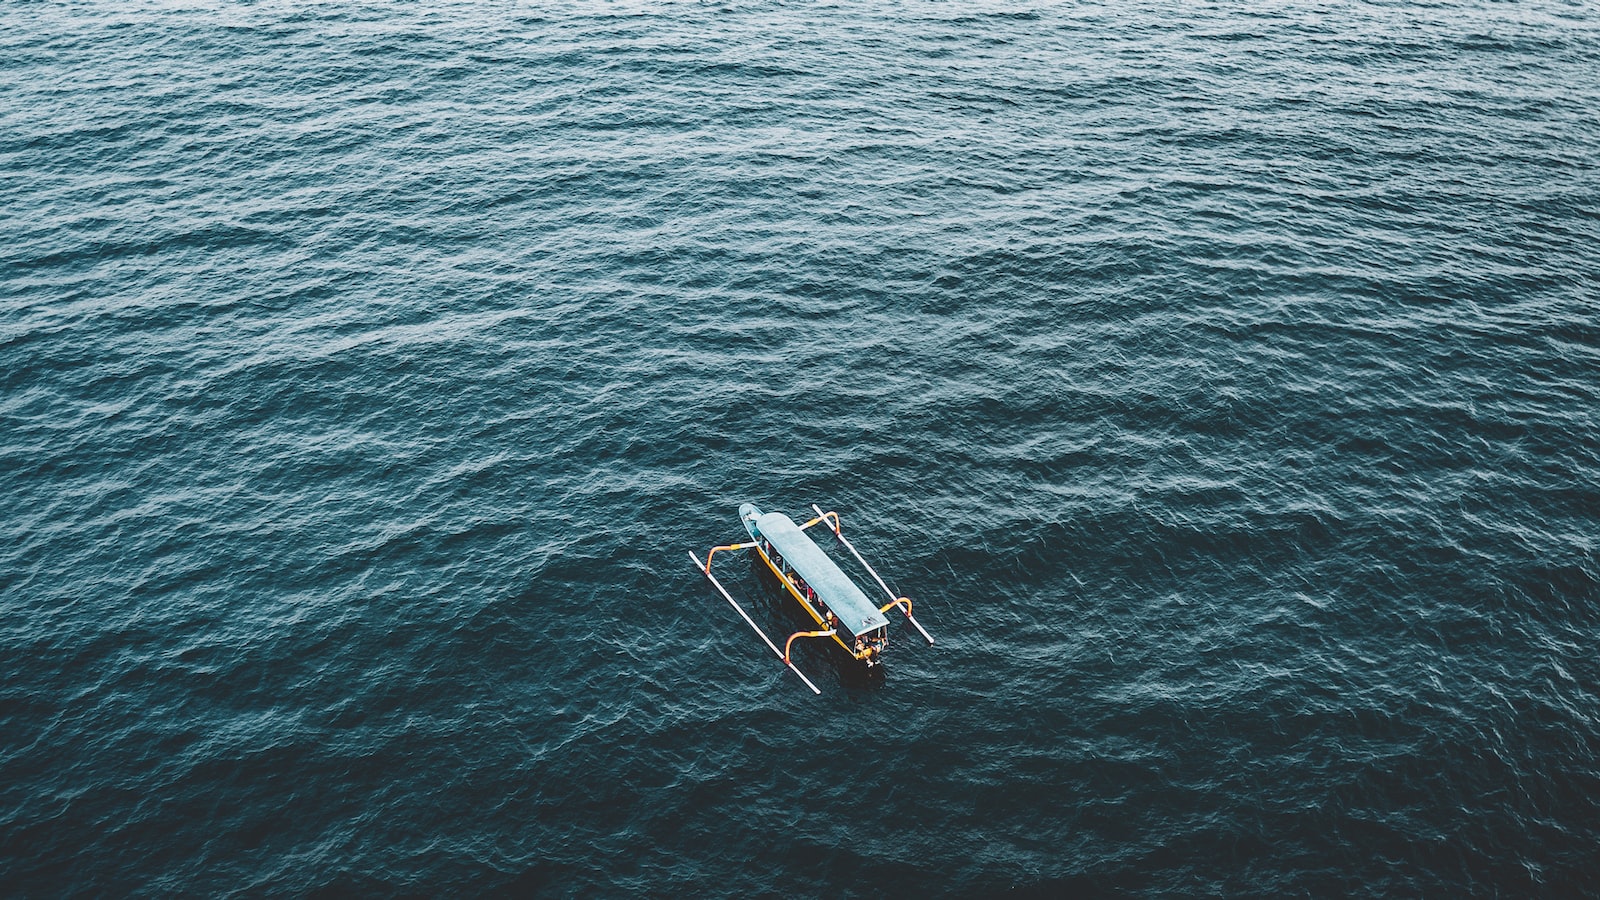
(839, 608)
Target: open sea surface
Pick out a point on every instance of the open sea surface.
(1221, 381)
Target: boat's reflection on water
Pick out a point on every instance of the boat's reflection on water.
(856, 676)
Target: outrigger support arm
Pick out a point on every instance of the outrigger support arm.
(822, 517)
(713, 552)
(907, 602)
(803, 634)
(751, 622)
(868, 566)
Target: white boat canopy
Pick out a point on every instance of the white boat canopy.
(834, 588)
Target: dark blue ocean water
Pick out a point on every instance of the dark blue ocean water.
(1222, 381)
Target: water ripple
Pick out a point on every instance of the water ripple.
(1219, 382)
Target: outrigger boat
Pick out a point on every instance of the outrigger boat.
(813, 579)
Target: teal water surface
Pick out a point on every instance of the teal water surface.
(1221, 381)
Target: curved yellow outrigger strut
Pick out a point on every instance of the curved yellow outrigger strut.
(713, 552)
(804, 634)
(823, 517)
(892, 604)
